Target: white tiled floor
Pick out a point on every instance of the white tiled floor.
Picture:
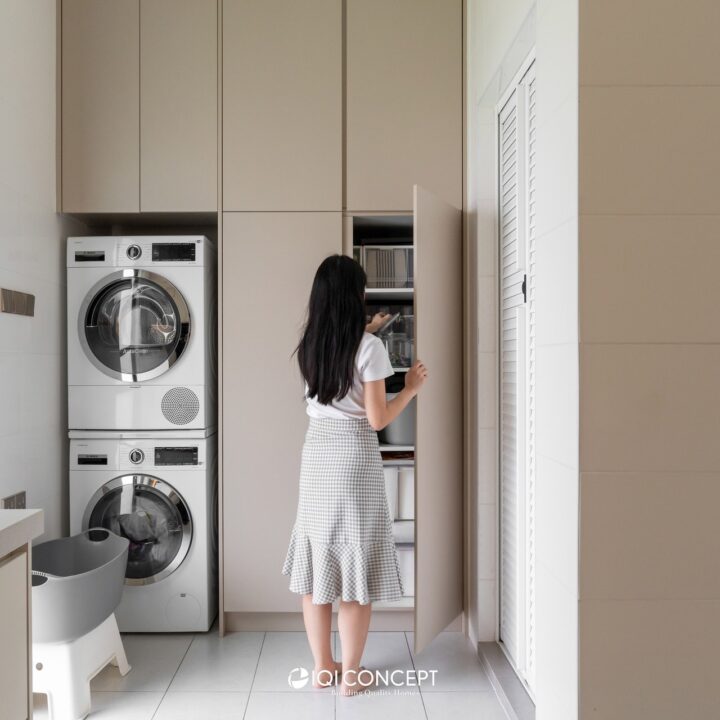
(244, 677)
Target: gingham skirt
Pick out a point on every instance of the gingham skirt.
(341, 544)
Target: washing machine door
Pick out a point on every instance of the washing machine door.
(152, 515)
(134, 325)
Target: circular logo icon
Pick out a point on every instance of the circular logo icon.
(298, 677)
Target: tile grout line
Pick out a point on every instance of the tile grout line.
(412, 660)
(252, 682)
(182, 659)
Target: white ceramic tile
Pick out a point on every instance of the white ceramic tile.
(556, 289)
(463, 705)
(557, 53)
(154, 659)
(111, 705)
(556, 523)
(12, 375)
(318, 705)
(202, 706)
(556, 391)
(487, 384)
(384, 651)
(44, 393)
(379, 706)
(223, 664)
(678, 40)
(556, 647)
(281, 653)
(457, 664)
(486, 445)
(649, 278)
(486, 541)
(645, 150)
(557, 167)
(486, 314)
(664, 527)
(486, 615)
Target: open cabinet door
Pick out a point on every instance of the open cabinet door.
(438, 448)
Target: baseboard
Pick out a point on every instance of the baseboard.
(398, 620)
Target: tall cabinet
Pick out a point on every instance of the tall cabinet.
(328, 122)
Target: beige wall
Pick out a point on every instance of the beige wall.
(649, 417)
(500, 35)
(33, 427)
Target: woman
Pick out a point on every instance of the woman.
(341, 544)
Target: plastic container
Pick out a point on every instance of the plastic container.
(77, 582)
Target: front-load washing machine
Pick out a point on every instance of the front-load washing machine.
(142, 351)
(161, 494)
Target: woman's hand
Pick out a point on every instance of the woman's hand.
(377, 322)
(415, 377)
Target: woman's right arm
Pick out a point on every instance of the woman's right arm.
(380, 412)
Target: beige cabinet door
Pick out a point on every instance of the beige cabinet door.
(14, 636)
(178, 105)
(403, 101)
(439, 441)
(100, 106)
(282, 105)
(269, 261)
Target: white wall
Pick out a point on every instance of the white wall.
(33, 430)
(500, 34)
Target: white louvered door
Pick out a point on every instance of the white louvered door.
(516, 224)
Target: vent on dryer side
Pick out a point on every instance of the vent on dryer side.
(180, 405)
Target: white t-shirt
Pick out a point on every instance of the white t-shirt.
(371, 363)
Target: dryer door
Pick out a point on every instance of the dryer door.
(134, 325)
(152, 515)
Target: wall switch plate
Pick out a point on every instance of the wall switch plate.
(14, 502)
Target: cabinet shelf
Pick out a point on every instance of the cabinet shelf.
(390, 293)
(397, 448)
(406, 602)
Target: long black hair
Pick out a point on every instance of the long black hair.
(334, 328)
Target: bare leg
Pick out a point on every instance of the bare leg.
(353, 624)
(317, 626)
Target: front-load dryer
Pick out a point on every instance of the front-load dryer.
(161, 494)
(142, 350)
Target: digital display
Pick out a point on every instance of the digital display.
(176, 455)
(89, 256)
(167, 252)
(92, 459)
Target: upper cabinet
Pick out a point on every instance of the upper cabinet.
(282, 105)
(403, 102)
(100, 106)
(178, 105)
(139, 105)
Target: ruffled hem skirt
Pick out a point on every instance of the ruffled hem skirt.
(341, 543)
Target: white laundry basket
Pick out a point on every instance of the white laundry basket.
(77, 584)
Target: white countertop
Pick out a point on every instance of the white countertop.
(18, 527)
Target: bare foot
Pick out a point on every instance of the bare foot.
(358, 685)
(326, 676)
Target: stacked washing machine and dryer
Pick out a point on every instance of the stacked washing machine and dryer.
(142, 401)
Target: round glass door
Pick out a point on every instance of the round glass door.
(152, 515)
(134, 325)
